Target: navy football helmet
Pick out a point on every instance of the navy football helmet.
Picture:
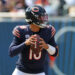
(36, 15)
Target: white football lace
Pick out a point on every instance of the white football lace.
(35, 44)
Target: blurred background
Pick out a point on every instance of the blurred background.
(61, 16)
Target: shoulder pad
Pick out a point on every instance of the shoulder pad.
(53, 31)
(16, 32)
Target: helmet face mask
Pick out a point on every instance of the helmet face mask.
(43, 18)
(36, 15)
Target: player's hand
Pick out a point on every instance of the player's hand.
(30, 40)
(43, 44)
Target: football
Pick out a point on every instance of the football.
(36, 46)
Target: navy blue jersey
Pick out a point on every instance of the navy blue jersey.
(29, 62)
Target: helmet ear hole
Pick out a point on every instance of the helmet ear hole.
(36, 15)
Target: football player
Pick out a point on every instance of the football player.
(28, 63)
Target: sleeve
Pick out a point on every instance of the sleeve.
(16, 46)
(53, 43)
